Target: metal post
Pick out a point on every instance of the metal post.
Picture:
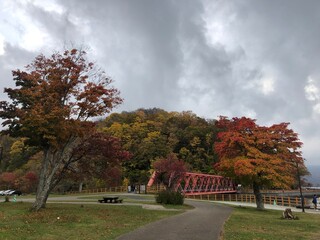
(300, 188)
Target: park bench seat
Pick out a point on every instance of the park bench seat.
(110, 200)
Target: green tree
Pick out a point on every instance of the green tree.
(140, 135)
(20, 153)
(154, 133)
(192, 138)
(5, 143)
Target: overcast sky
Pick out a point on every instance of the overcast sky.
(254, 58)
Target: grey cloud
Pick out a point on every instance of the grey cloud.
(159, 55)
(136, 41)
(283, 37)
(148, 47)
(13, 59)
(60, 27)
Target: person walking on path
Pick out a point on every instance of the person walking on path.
(315, 201)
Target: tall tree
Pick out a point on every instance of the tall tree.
(258, 156)
(52, 105)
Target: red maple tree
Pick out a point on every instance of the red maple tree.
(101, 156)
(258, 156)
(30, 180)
(169, 170)
(8, 179)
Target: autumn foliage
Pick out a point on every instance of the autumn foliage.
(256, 155)
(54, 99)
(102, 156)
(52, 107)
(8, 179)
(169, 170)
(151, 134)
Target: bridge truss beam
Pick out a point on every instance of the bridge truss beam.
(201, 184)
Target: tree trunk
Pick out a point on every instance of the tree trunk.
(258, 195)
(42, 196)
(53, 167)
(80, 187)
(45, 181)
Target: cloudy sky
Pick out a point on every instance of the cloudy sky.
(254, 58)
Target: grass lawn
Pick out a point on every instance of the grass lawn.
(67, 221)
(251, 224)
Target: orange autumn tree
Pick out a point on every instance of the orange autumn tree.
(258, 156)
(52, 106)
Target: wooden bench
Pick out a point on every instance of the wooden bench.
(110, 200)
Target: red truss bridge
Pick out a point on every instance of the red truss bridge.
(200, 184)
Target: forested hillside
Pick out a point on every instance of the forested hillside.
(147, 134)
(154, 133)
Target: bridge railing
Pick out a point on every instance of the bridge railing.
(155, 188)
(250, 198)
(100, 190)
(246, 198)
(152, 190)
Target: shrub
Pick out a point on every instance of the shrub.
(170, 197)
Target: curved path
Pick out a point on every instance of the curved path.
(204, 222)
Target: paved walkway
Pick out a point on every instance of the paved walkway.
(204, 222)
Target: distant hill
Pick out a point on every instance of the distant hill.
(314, 179)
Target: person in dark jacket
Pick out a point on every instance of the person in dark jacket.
(315, 201)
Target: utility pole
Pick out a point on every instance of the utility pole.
(300, 188)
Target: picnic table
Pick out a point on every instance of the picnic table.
(110, 199)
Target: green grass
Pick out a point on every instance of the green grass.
(249, 223)
(67, 221)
